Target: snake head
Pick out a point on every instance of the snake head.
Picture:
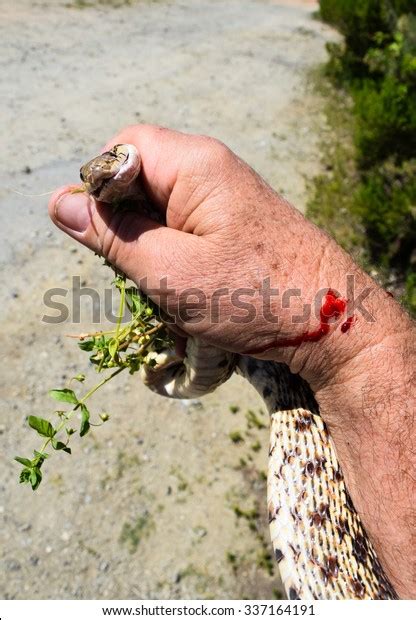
(109, 175)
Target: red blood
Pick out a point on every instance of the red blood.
(332, 308)
(345, 326)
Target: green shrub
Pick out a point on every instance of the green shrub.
(386, 203)
(385, 103)
(385, 123)
(360, 20)
(376, 65)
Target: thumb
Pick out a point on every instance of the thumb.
(136, 245)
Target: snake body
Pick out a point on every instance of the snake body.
(318, 538)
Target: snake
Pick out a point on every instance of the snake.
(318, 538)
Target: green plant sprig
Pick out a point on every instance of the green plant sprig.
(127, 347)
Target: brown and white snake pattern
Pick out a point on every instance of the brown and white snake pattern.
(318, 538)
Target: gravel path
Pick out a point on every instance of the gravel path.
(146, 507)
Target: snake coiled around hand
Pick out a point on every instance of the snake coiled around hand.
(318, 538)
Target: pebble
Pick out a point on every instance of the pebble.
(13, 565)
(200, 532)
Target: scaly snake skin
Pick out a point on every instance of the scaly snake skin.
(318, 539)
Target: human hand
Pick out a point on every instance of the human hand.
(236, 264)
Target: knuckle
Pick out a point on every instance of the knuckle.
(210, 158)
(214, 149)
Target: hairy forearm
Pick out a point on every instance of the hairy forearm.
(369, 407)
(364, 378)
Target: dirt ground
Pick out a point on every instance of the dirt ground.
(167, 500)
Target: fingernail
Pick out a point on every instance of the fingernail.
(73, 211)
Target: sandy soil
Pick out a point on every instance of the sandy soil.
(146, 506)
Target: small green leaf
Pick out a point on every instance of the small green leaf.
(64, 396)
(113, 347)
(86, 345)
(59, 445)
(80, 377)
(85, 421)
(70, 431)
(23, 461)
(42, 426)
(135, 301)
(100, 342)
(104, 417)
(35, 478)
(24, 475)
